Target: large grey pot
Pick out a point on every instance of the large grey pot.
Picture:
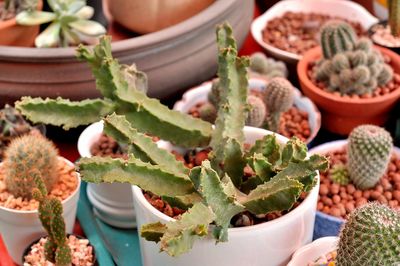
(175, 58)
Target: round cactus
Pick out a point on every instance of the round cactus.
(370, 237)
(336, 37)
(339, 174)
(31, 152)
(369, 150)
(267, 67)
(257, 113)
(213, 95)
(208, 112)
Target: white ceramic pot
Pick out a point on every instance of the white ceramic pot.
(199, 94)
(313, 251)
(112, 203)
(271, 243)
(340, 8)
(20, 228)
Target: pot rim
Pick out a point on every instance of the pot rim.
(78, 177)
(205, 85)
(138, 194)
(315, 53)
(190, 25)
(371, 32)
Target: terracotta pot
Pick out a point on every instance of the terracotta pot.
(12, 34)
(153, 15)
(339, 114)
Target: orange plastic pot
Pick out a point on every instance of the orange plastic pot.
(12, 34)
(341, 114)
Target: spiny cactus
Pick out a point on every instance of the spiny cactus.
(267, 67)
(208, 112)
(278, 97)
(394, 19)
(213, 193)
(369, 150)
(50, 214)
(353, 68)
(121, 95)
(257, 113)
(370, 237)
(339, 174)
(13, 7)
(25, 154)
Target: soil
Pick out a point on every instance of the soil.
(381, 35)
(63, 189)
(194, 158)
(82, 253)
(340, 200)
(391, 86)
(297, 32)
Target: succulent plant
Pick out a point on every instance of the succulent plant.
(370, 237)
(30, 152)
(394, 19)
(213, 96)
(368, 151)
(267, 67)
(120, 95)
(213, 192)
(50, 211)
(208, 112)
(278, 97)
(350, 66)
(13, 7)
(339, 174)
(69, 23)
(257, 111)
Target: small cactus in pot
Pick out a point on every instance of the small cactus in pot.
(13, 7)
(267, 67)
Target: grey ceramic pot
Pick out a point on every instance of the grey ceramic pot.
(175, 58)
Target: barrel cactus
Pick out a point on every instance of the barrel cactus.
(350, 66)
(266, 66)
(279, 98)
(371, 236)
(257, 111)
(369, 150)
(31, 152)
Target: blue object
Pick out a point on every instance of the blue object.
(326, 225)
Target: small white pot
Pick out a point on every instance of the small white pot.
(112, 203)
(20, 228)
(313, 251)
(340, 8)
(271, 243)
(199, 94)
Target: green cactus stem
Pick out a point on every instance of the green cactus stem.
(336, 37)
(267, 67)
(394, 17)
(257, 111)
(339, 174)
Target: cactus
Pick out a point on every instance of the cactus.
(352, 69)
(208, 112)
(370, 237)
(369, 152)
(31, 152)
(339, 174)
(279, 97)
(257, 113)
(121, 95)
(50, 214)
(394, 20)
(13, 7)
(212, 193)
(336, 37)
(214, 95)
(267, 67)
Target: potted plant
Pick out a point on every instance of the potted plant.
(214, 192)
(349, 79)
(369, 237)
(19, 223)
(57, 247)
(10, 32)
(364, 168)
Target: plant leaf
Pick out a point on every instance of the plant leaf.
(88, 27)
(60, 112)
(294, 151)
(183, 202)
(50, 37)
(268, 147)
(263, 169)
(153, 232)
(34, 17)
(85, 12)
(75, 6)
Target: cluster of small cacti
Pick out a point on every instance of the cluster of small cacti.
(370, 237)
(350, 66)
(369, 150)
(13, 7)
(50, 212)
(267, 67)
(216, 191)
(265, 108)
(30, 152)
(339, 174)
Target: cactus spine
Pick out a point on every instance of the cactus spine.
(353, 68)
(370, 237)
(25, 154)
(278, 97)
(369, 150)
(394, 19)
(50, 214)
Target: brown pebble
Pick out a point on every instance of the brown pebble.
(323, 189)
(335, 188)
(336, 199)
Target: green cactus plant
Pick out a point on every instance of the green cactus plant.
(208, 112)
(267, 67)
(339, 174)
(394, 19)
(50, 211)
(69, 23)
(368, 151)
(13, 7)
(214, 191)
(279, 98)
(257, 111)
(350, 66)
(25, 154)
(370, 237)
